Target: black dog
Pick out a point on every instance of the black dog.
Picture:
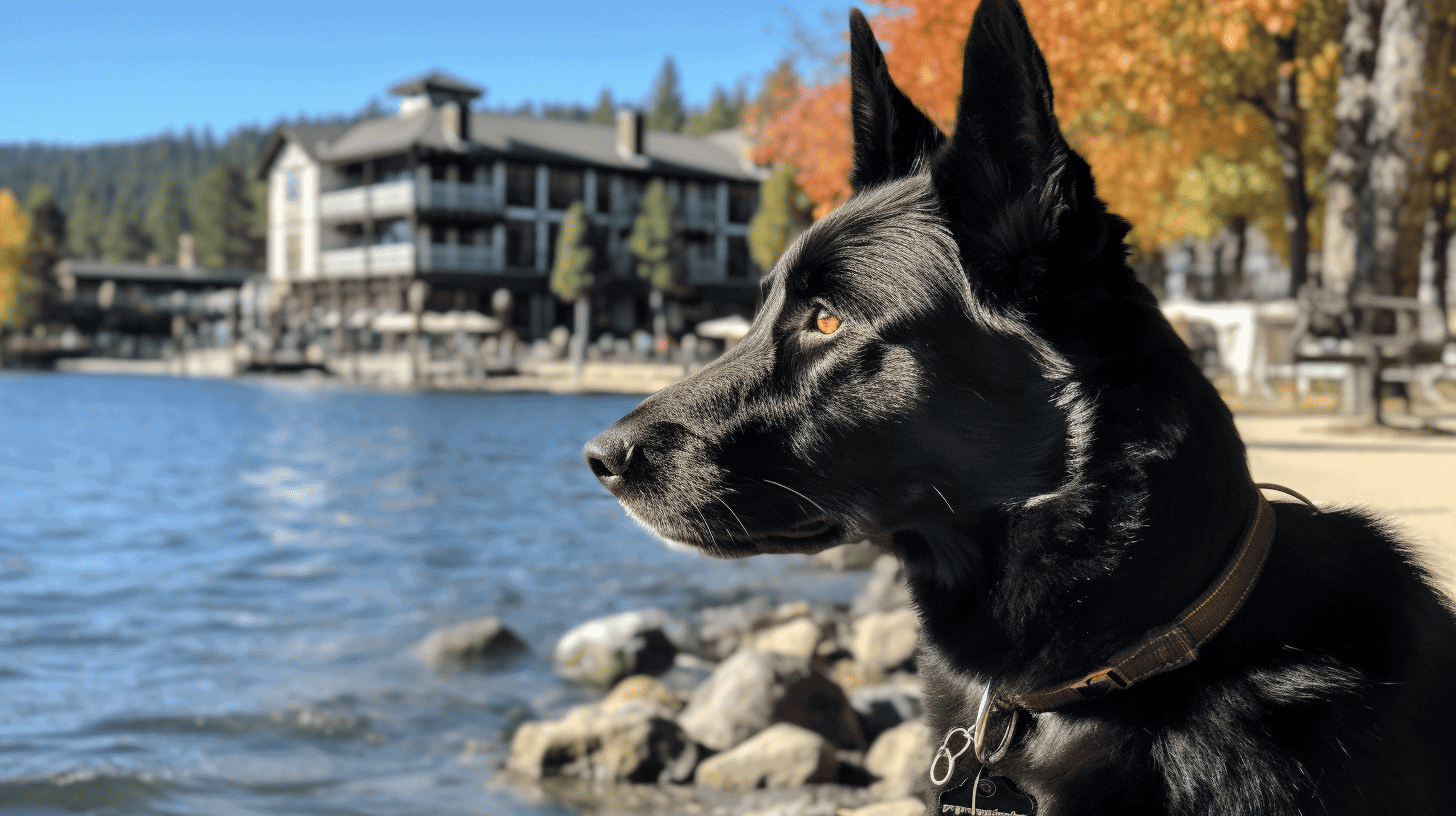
(958, 363)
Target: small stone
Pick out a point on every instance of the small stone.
(630, 743)
(908, 806)
(754, 688)
(471, 642)
(639, 689)
(854, 556)
(604, 650)
(883, 642)
(798, 637)
(901, 759)
(885, 589)
(886, 705)
(780, 756)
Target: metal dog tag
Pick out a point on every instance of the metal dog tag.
(987, 796)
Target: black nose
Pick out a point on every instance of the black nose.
(609, 456)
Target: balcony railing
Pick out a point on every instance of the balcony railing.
(397, 259)
(391, 198)
(460, 258)
(388, 259)
(396, 198)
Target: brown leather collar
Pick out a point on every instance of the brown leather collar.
(1176, 644)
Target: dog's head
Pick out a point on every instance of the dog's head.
(909, 368)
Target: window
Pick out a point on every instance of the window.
(596, 238)
(392, 231)
(521, 244)
(354, 174)
(564, 187)
(290, 187)
(604, 193)
(390, 168)
(742, 201)
(439, 172)
(553, 233)
(520, 185)
(467, 174)
(351, 234)
(740, 267)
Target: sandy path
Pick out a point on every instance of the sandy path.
(1409, 480)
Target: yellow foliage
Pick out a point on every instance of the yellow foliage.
(14, 234)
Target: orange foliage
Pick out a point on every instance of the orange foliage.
(1146, 90)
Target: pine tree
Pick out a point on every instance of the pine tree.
(667, 103)
(122, 238)
(656, 245)
(167, 218)
(605, 113)
(571, 278)
(784, 211)
(46, 245)
(229, 219)
(85, 226)
(721, 114)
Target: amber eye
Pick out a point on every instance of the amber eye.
(827, 323)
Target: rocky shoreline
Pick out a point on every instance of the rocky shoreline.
(741, 710)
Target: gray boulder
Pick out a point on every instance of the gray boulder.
(780, 756)
(471, 642)
(753, 688)
(901, 759)
(884, 642)
(885, 705)
(604, 650)
(631, 742)
(885, 589)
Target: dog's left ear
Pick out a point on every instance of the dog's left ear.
(1014, 191)
(891, 135)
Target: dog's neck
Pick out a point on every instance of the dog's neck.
(1030, 595)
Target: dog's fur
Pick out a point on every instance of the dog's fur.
(1005, 409)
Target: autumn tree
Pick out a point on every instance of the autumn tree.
(666, 111)
(16, 286)
(784, 211)
(656, 244)
(571, 278)
(1145, 90)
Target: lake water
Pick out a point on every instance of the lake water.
(210, 590)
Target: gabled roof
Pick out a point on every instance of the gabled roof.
(437, 81)
(313, 139)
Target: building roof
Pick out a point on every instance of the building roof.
(78, 269)
(313, 139)
(438, 81)
(723, 155)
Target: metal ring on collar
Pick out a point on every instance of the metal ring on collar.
(983, 714)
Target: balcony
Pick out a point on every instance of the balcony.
(401, 259)
(356, 262)
(398, 198)
(392, 198)
(457, 197)
(460, 259)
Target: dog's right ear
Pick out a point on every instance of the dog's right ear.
(890, 134)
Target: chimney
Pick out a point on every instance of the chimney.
(629, 133)
(185, 256)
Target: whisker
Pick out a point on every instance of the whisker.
(735, 517)
(800, 495)
(942, 498)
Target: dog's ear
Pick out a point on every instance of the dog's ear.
(1014, 191)
(890, 134)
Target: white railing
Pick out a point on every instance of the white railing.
(464, 258)
(389, 259)
(386, 199)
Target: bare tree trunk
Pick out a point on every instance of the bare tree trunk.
(1399, 145)
(1289, 126)
(582, 319)
(1238, 283)
(1348, 172)
(1441, 229)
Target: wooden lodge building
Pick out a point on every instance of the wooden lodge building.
(471, 203)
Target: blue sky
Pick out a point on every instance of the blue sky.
(90, 71)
